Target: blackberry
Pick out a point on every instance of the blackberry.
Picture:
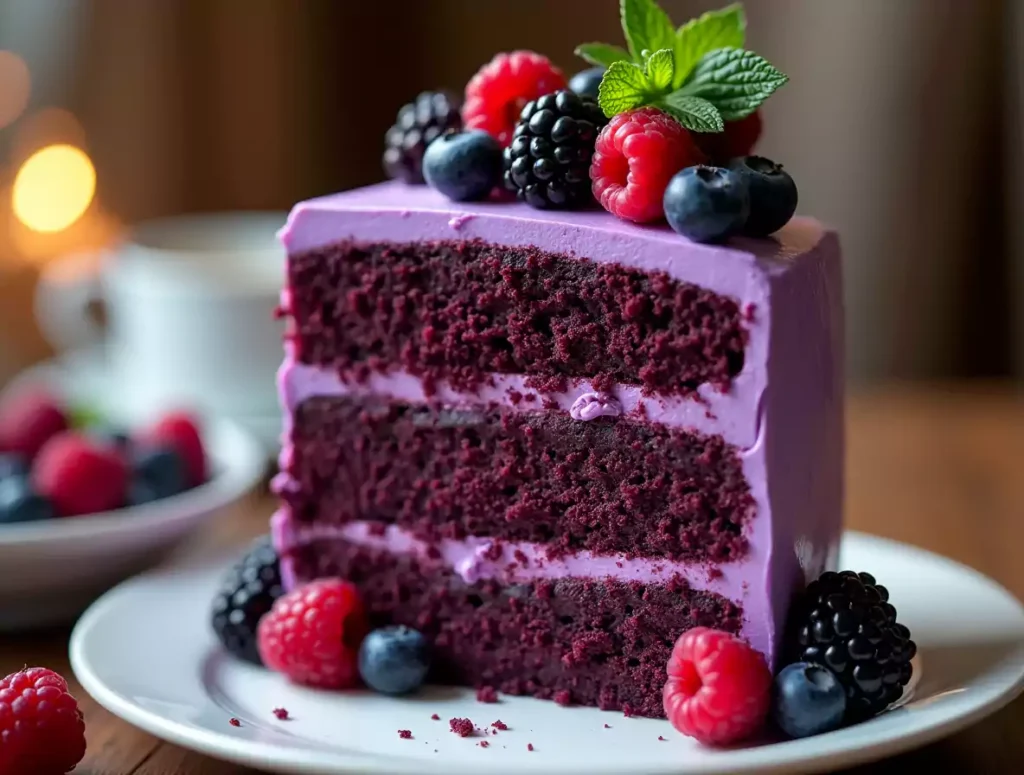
(247, 592)
(548, 163)
(846, 623)
(418, 124)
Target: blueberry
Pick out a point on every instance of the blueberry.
(159, 470)
(464, 166)
(807, 700)
(19, 502)
(140, 492)
(394, 660)
(707, 204)
(773, 196)
(12, 465)
(111, 436)
(586, 82)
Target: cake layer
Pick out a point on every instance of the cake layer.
(457, 310)
(599, 642)
(610, 485)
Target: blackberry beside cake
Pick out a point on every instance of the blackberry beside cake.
(552, 441)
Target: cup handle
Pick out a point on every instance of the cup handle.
(67, 299)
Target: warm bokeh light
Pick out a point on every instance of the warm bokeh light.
(53, 188)
(15, 86)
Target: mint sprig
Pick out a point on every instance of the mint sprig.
(699, 73)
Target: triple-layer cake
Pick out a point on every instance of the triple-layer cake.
(553, 441)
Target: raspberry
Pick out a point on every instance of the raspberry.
(41, 728)
(738, 139)
(636, 156)
(718, 688)
(180, 430)
(27, 421)
(312, 634)
(79, 475)
(499, 91)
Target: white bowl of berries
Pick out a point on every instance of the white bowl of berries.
(84, 503)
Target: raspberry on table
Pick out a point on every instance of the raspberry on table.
(418, 124)
(79, 475)
(180, 430)
(636, 156)
(499, 91)
(736, 140)
(718, 689)
(41, 727)
(312, 635)
(29, 419)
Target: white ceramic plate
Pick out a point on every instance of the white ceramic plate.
(145, 652)
(51, 571)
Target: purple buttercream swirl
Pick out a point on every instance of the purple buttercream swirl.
(590, 406)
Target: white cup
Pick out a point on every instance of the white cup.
(189, 303)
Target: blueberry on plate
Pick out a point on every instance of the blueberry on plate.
(586, 82)
(12, 465)
(464, 166)
(807, 700)
(159, 471)
(247, 592)
(19, 502)
(394, 660)
(707, 204)
(773, 195)
(111, 436)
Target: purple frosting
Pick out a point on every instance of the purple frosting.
(784, 411)
(590, 406)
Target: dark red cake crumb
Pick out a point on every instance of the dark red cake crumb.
(483, 744)
(486, 694)
(499, 724)
(463, 727)
(622, 486)
(281, 713)
(562, 697)
(234, 722)
(662, 739)
(529, 746)
(607, 726)
(456, 310)
(435, 717)
(405, 734)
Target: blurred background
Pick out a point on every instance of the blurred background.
(900, 125)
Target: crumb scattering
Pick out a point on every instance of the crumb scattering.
(662, 739)
(607, 726)
(483, 744)
(463, 727)
(529, 746)
(281, 713)
(405, 734)
(499, 724)
(235, 722)
(486, 694)
(434, 717)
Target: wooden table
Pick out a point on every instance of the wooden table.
(940, 468)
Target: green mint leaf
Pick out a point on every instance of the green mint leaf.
(646, 26)
(734, 80)
(725, 28)
(659, 71)
(602, 54)
(694, 113)
(624, 86)
(82, 416)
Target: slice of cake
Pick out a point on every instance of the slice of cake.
(552, 441)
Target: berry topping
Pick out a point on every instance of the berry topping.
(737, 139)
(718, 688)
(159, 470)
(28, 420)
(80, 476)
(808, 700)
(846, 623)
(394, 660)
(637, 154)
(247, 592)
(418, 124)
(180, 431)
(707, 204)
(12, 464)
(496, 95)
(112, 436)
(41, 728)
(773, 195)
(586, 82)
(548, 162)
(312, 634)
(19, 502)
(464, 166)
